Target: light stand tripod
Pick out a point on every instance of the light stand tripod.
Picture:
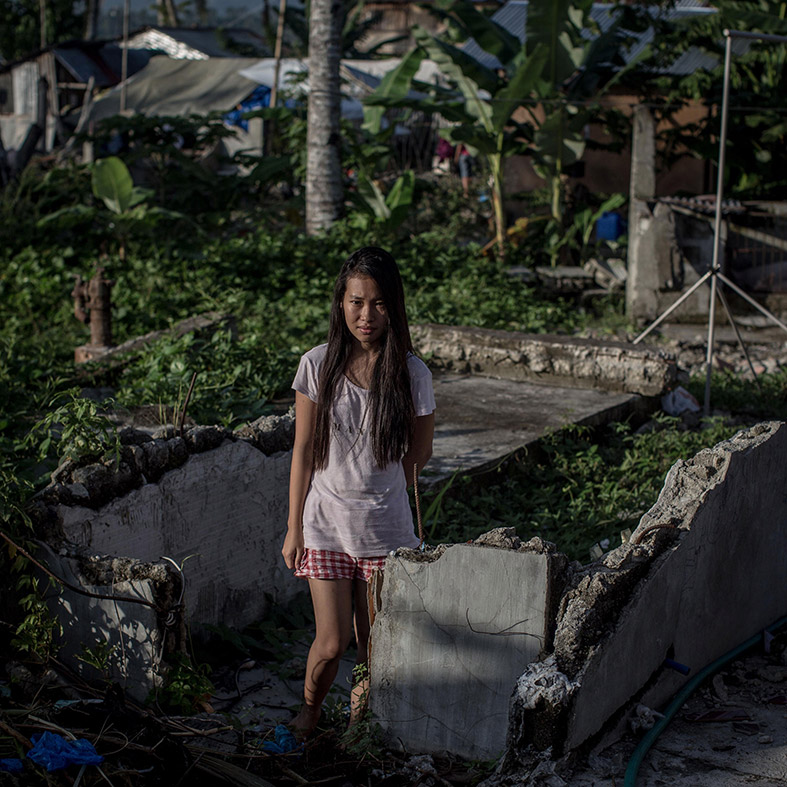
(715, 273)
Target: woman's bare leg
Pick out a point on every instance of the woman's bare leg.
(332, 602)
(360, 688)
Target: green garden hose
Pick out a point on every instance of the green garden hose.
(642, 749)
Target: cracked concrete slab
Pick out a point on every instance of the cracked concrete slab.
(479, 419)
(450, 637)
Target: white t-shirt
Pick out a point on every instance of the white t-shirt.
(352, 505)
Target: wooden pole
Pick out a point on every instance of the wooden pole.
(277, 53)
(124, 57)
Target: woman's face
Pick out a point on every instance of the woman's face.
(364, 311)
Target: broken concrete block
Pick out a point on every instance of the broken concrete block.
(225, 510)
(704, 571)
(450, 638)
(126, 641)
(557, 360)
(219, 500)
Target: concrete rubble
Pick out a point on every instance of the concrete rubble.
(207, 509)
(703, 571)
(126, 641)
(439, 642)
(559, 360)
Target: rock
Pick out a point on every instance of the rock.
(720, 689)
(97, 479)
(205, 438)
(156, 456)
(773, 673)
(136, 458)
(270, 433)
(78, 492)
(130, 436)
(501, 537)
(643, 718)
(419, 766)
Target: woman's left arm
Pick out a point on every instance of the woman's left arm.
(420, 446)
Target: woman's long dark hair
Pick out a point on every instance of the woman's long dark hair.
(391, 409)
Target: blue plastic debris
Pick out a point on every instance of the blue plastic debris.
(54, 752)
(609, 226)
(285, 741)
(11, 765)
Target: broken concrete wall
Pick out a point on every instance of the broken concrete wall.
(116, 638)
(453, 629)
(704, 571)
(558, 360)
(213, 501)
(459, 628)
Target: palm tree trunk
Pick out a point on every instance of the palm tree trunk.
(324, 197)
(167, 13)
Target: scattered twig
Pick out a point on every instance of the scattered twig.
(186, 404)
(75, 588)
(192, 733)
(296, 777)
(18, 737)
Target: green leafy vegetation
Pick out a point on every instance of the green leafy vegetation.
(187, 685)
(765, 400)
(580, 487)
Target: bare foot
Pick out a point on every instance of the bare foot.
(304, 723)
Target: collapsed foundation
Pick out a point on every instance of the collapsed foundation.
(188, 527)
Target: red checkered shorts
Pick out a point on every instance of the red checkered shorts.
(322, 564)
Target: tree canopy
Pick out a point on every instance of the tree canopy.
(20, 31)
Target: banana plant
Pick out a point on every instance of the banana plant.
(128, 204)
(389, 210)
(484, 112)
(558, 69)
(579, 70)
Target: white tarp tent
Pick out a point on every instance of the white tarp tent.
(180, 87)
(183, 87)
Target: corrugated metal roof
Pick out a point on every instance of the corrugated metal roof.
(103, 62)
(513, 17)
(205, 40)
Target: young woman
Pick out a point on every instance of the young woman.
(364, 419)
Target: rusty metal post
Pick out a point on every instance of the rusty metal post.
(93, 305)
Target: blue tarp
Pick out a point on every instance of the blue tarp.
(54, 752)
(261, 97)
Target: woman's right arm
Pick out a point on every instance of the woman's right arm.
(300, 477)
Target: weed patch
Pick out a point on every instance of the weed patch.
(579, 488)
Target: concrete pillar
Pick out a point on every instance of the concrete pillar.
(256, 135)
(642, 281)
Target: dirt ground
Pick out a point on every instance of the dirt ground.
(732, 731)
